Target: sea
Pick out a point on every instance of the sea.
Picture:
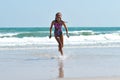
(27, 53)
(79, 36)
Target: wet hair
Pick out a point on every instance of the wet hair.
(58, 13)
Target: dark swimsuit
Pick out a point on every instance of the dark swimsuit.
(58, 29)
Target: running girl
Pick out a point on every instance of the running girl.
(58, 23)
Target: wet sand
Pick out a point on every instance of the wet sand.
(44, 64)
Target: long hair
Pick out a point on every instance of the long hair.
(58, 14)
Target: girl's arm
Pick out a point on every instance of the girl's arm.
(51, 29)
(66, 29)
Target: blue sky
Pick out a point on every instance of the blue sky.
(37, 13)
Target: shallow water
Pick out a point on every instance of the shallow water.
(42, 64)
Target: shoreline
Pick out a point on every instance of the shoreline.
(53, 47)
(81, 63)
(94, 78)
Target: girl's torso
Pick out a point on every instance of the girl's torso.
(58, 28)
(58, 25)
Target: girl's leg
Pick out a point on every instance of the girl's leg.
(60, 44)
(61, 40)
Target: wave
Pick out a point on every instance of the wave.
(92, 40)
(35, 37)
(25, 34)
(46, 33)
(82, 32)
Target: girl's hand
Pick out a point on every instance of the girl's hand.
(50, 36)
(67, 35)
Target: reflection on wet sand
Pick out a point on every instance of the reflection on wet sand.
(61, 69)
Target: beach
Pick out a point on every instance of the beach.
(34, 34)
(93, 63)
(98, 78)
(90, 53)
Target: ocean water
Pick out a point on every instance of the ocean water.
(83, 59)
(42, 64)
(80, 36)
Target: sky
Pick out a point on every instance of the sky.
(40, 13)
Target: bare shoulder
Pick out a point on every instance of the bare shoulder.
(53, 21)
(63, 21)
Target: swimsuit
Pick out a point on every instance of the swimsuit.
(58, 29)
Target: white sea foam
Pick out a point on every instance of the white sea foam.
(102, 39)
(7, 34)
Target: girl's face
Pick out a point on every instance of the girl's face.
(58, 16)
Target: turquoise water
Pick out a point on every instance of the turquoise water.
(85, 36)
(80, 62)
(44, 31)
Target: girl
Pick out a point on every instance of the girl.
(58, 23)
